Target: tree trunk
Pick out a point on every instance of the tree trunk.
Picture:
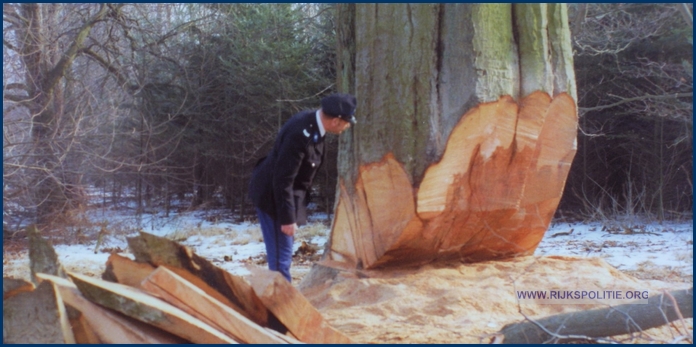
(45, 66)
(467, 128)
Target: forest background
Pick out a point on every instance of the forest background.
(167, 107)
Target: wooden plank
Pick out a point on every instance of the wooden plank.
(108, 325)
(126, 271)
(81, 329)
(160, 251)
(148, 309)
(203, 306)
(285, 337)
(37, 316)
(123, 270)
(293, 309)
(205, 287)
(178, 303)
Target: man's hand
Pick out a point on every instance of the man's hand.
(289, 229)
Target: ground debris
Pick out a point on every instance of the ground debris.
(169, 290)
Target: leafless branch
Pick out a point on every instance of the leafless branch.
(638, 98)
(309, 97)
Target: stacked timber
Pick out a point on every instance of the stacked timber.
(168, 294)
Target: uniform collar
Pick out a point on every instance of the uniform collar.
(322, 131)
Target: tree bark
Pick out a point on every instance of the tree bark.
(467, 125)
(610, 321)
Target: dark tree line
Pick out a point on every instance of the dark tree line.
(634, 73)
(169, 106)
(238, 81)
(153, 104)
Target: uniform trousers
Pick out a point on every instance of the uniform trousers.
(278, 245)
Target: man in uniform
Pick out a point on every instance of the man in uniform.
(281, 181)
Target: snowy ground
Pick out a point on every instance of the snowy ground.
(646, 251)
(228, 245)
(446, 303)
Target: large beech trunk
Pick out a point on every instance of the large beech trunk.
(467, 128)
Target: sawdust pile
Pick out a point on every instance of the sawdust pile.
(466, 303)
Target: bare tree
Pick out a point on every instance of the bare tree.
(46, 48)
(635, 83)
(164, 99)
(76, 71)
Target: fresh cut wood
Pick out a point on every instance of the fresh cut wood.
(123, 270)
(287, 337)
(108, 325)
(83, 332)
(160, 251)
(147, 309)
(492, 195)
(183, 294)
(293, 309)
(461, 155)
(36, 316)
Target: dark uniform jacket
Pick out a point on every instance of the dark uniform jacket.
(281, 181)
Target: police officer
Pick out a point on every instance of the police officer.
(281, 181)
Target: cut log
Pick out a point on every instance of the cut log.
(12, 286)
(108, 325)
(37, 316)
(160, 251)
(123, 270)
(183, 294)
(605, 322)
(293, 309)
(148, 309)
(492, 195)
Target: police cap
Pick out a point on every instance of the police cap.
(340, 106)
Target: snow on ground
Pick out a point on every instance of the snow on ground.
(463, 303)
(228, 245)
(647, 251)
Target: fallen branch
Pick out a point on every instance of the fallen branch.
(611, 321)
(565, 233)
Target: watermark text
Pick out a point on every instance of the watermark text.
(574, 296)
